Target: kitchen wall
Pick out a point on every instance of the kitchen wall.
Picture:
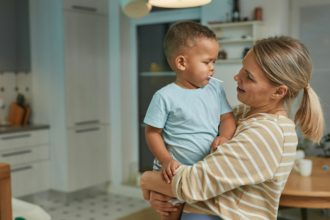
(10, 85)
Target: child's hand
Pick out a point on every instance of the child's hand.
(168, 169)
(218, 141)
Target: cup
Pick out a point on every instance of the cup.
(304, 167)
(300, 154)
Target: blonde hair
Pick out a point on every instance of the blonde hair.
(286, 61)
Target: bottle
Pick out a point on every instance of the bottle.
(236, 13)
(258, 14)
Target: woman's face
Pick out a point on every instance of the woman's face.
(253, 88)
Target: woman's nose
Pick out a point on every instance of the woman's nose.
(236, 77)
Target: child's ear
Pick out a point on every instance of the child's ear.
(180, 62)
(280, 92)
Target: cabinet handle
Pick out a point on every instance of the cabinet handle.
(87, 122)
(21, 169)
(84, 8)
(16, 136)
(87, 130)
(16, 153)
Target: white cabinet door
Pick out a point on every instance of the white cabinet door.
(85, 66)
(87, 153)
(99, 6)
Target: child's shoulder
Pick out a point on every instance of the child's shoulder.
(167, 88)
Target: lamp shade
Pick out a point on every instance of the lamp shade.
(135, 8)
(178, 3)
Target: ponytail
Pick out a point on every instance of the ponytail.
(310, 115)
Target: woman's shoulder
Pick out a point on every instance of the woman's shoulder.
(240, 111)
(268, 126)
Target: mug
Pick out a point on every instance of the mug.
(304, 167)
(300, 154)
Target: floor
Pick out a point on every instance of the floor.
(90, 204)
(97, 204)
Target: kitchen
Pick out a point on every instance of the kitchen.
(118, 125)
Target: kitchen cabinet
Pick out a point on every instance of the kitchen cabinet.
(235, 38)
(99, 6)
(86, 97)
(85, 66)
(15, 36)
(87, 153)
(27, 152)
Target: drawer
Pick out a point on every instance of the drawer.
(23, 139)
(30, 178)
(24, 155)
(91, 6)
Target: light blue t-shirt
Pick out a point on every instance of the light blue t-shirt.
(189, 118)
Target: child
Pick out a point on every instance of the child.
(183, 118)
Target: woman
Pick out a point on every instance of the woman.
(244, 178)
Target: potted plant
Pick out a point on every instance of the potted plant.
(324, 145)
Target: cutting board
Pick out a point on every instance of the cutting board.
(15, 114)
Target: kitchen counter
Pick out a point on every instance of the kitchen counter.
(15, 129)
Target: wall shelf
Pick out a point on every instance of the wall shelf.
(155, 74)
(229, 61)
(236, 37)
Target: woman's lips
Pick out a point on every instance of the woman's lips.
(239, 89)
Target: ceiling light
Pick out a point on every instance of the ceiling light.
(178, 3)
(135, 8)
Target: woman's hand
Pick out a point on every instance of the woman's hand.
(160, 204)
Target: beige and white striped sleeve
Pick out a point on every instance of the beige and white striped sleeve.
(251, 157)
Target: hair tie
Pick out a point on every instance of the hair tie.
(307, 87)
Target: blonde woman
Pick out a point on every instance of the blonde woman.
(244, 178)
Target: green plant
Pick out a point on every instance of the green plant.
(325, 145)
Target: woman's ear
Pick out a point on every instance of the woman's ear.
(180, 62)
(280, 92)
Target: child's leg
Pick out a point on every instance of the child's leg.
(174, 215)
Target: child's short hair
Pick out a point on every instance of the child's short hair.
(183, 34)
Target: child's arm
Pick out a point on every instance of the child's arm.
(157, 147)
(227, 129)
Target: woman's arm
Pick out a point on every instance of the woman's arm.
(153, 181)
(251, 157)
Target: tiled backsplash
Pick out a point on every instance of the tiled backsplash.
(10, 85)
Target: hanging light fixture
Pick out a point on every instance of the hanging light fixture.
(178, 3)
(135, 8)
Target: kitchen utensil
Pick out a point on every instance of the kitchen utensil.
(16, 114)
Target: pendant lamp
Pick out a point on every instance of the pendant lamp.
(178, 3)
(135, 8)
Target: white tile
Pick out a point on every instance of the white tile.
(87, 206)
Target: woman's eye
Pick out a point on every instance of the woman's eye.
(250, 78)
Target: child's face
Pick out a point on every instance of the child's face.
(198, 63)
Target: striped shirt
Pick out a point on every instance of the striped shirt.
(245, 177)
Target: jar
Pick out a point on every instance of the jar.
(258, 14)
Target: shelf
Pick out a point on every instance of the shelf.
(157, 74)
(234, 24)
(234, 41)
(230, 61)
(235, 38)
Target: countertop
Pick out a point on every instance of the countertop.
(15, 129)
